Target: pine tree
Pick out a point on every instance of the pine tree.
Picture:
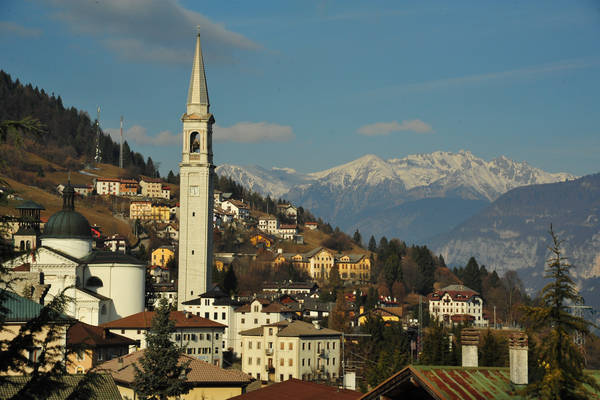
(372, 244)
(493, 351)
(472, 276)
(563, 363)
(160, 373)
(357, 238)
(230, 282)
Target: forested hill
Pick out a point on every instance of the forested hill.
(70, 135)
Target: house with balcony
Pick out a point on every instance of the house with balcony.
(291, 349)
(456, 304)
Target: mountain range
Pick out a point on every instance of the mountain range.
(413, 198)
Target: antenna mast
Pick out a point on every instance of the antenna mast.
(98, 158)
(121, 147)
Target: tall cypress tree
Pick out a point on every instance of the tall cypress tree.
(161, 374)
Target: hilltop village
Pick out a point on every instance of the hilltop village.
(264, 300)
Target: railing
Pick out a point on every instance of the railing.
(269, 352)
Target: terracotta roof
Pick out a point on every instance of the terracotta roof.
(82, 333)
(200, 373)
(267, 306)
(293, 329)
(144, 320)
(295, 389)
(151, 180)
(238, 203)
(22, 268)
(107, 180)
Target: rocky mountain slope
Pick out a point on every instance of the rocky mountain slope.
(384, 197)
(512, 233)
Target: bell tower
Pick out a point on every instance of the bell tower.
(196, 189)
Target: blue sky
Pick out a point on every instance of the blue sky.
(313, 84)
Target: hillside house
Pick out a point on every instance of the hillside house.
(108, 186)
(151, 187)
(128, 187)
(239, 209)
(288, 210)
(140, 209)
(457, 304)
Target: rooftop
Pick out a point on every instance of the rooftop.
(293, 329)
(144, 320)
(82, 333)
(295, 389)
(199, 373)
(102, 387)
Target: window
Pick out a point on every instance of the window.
(80, 356)
(206, 315)
(290, 346)
(268, 321)
(216, 336)
(139, 331)
(281, 346)
(290, 362)
(309, 345)
(333, 361)
(255, 308)
(270, 331)
(281, 362)
(303, 362)
(255, 321)
(178, 337)
(303, 346)
(308, 362)
(327, 345)
(122, 331)
(243, 320)
(257, 360)
(208, 336)
(216, 315)
(192, 252)
(258, 376)
(280, 377)
(217, 352)
(249, 360)
(223, 316)
(290, 376)
(201, 336)
(333, 345)
(250, 345)
(258, 345)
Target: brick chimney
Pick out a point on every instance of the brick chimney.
(469, 340)
(517, 353)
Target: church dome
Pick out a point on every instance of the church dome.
(67, 224)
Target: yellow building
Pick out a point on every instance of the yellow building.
(207, 381)
(140, 209)
(161, 212)
(318, 263)
(162, 255)
(387, 314)
(265, 239)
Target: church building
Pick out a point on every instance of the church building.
(104, 285)
(196, 189)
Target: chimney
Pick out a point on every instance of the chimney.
(517, 354)
(469, 339)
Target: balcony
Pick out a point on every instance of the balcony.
(269, 352)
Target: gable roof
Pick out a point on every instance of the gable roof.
(295, 389)
(293, 328)
(200, 373)
(95, 336)
(101, 387)
(143, 320)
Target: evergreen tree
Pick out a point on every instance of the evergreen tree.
(230, 282)
(372, 244)
(338, 318)
(563, 376)
(493, 351)
(357, 238)
(437, 349)
(160, 373)
(391, 270)
(471, 276)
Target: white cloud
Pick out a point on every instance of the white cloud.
(252, 132)
(138, 134)
(10, 28)
(150, 30)
(385, 128)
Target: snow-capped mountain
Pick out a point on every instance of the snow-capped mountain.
(360, 193)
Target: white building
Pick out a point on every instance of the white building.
(291, 349)
(196, 189)
(457, 303)
(268, 224)
(257, 313)
(219, 307)
(200, 336)
(165, 192)
(151, 187)
(106, 186)
(239, 209)
(105, 285)
(287, 232)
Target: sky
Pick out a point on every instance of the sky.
(310, 85)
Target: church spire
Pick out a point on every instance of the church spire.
(197, 102)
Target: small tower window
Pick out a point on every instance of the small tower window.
(194, 142)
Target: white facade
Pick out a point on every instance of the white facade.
(106, 186)
(196, 189)
(454, 301)
(268, 224)
(212, 309)
(254, 315)
(306, 353)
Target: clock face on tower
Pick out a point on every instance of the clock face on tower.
(194, 191)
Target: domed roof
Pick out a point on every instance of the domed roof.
(68, 223)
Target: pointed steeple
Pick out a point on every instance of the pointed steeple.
(197, 102)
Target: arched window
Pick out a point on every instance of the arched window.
(22, 245)
(94, 281)
(194, 142)
(28, 245)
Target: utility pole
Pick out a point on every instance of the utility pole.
(577, 310)
(121, 147)
(495, 325)
(344, 354)
(97, 157)
(420, 333)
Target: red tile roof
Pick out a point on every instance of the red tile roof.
(143, 320)
(295, 389)
(82, 333)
